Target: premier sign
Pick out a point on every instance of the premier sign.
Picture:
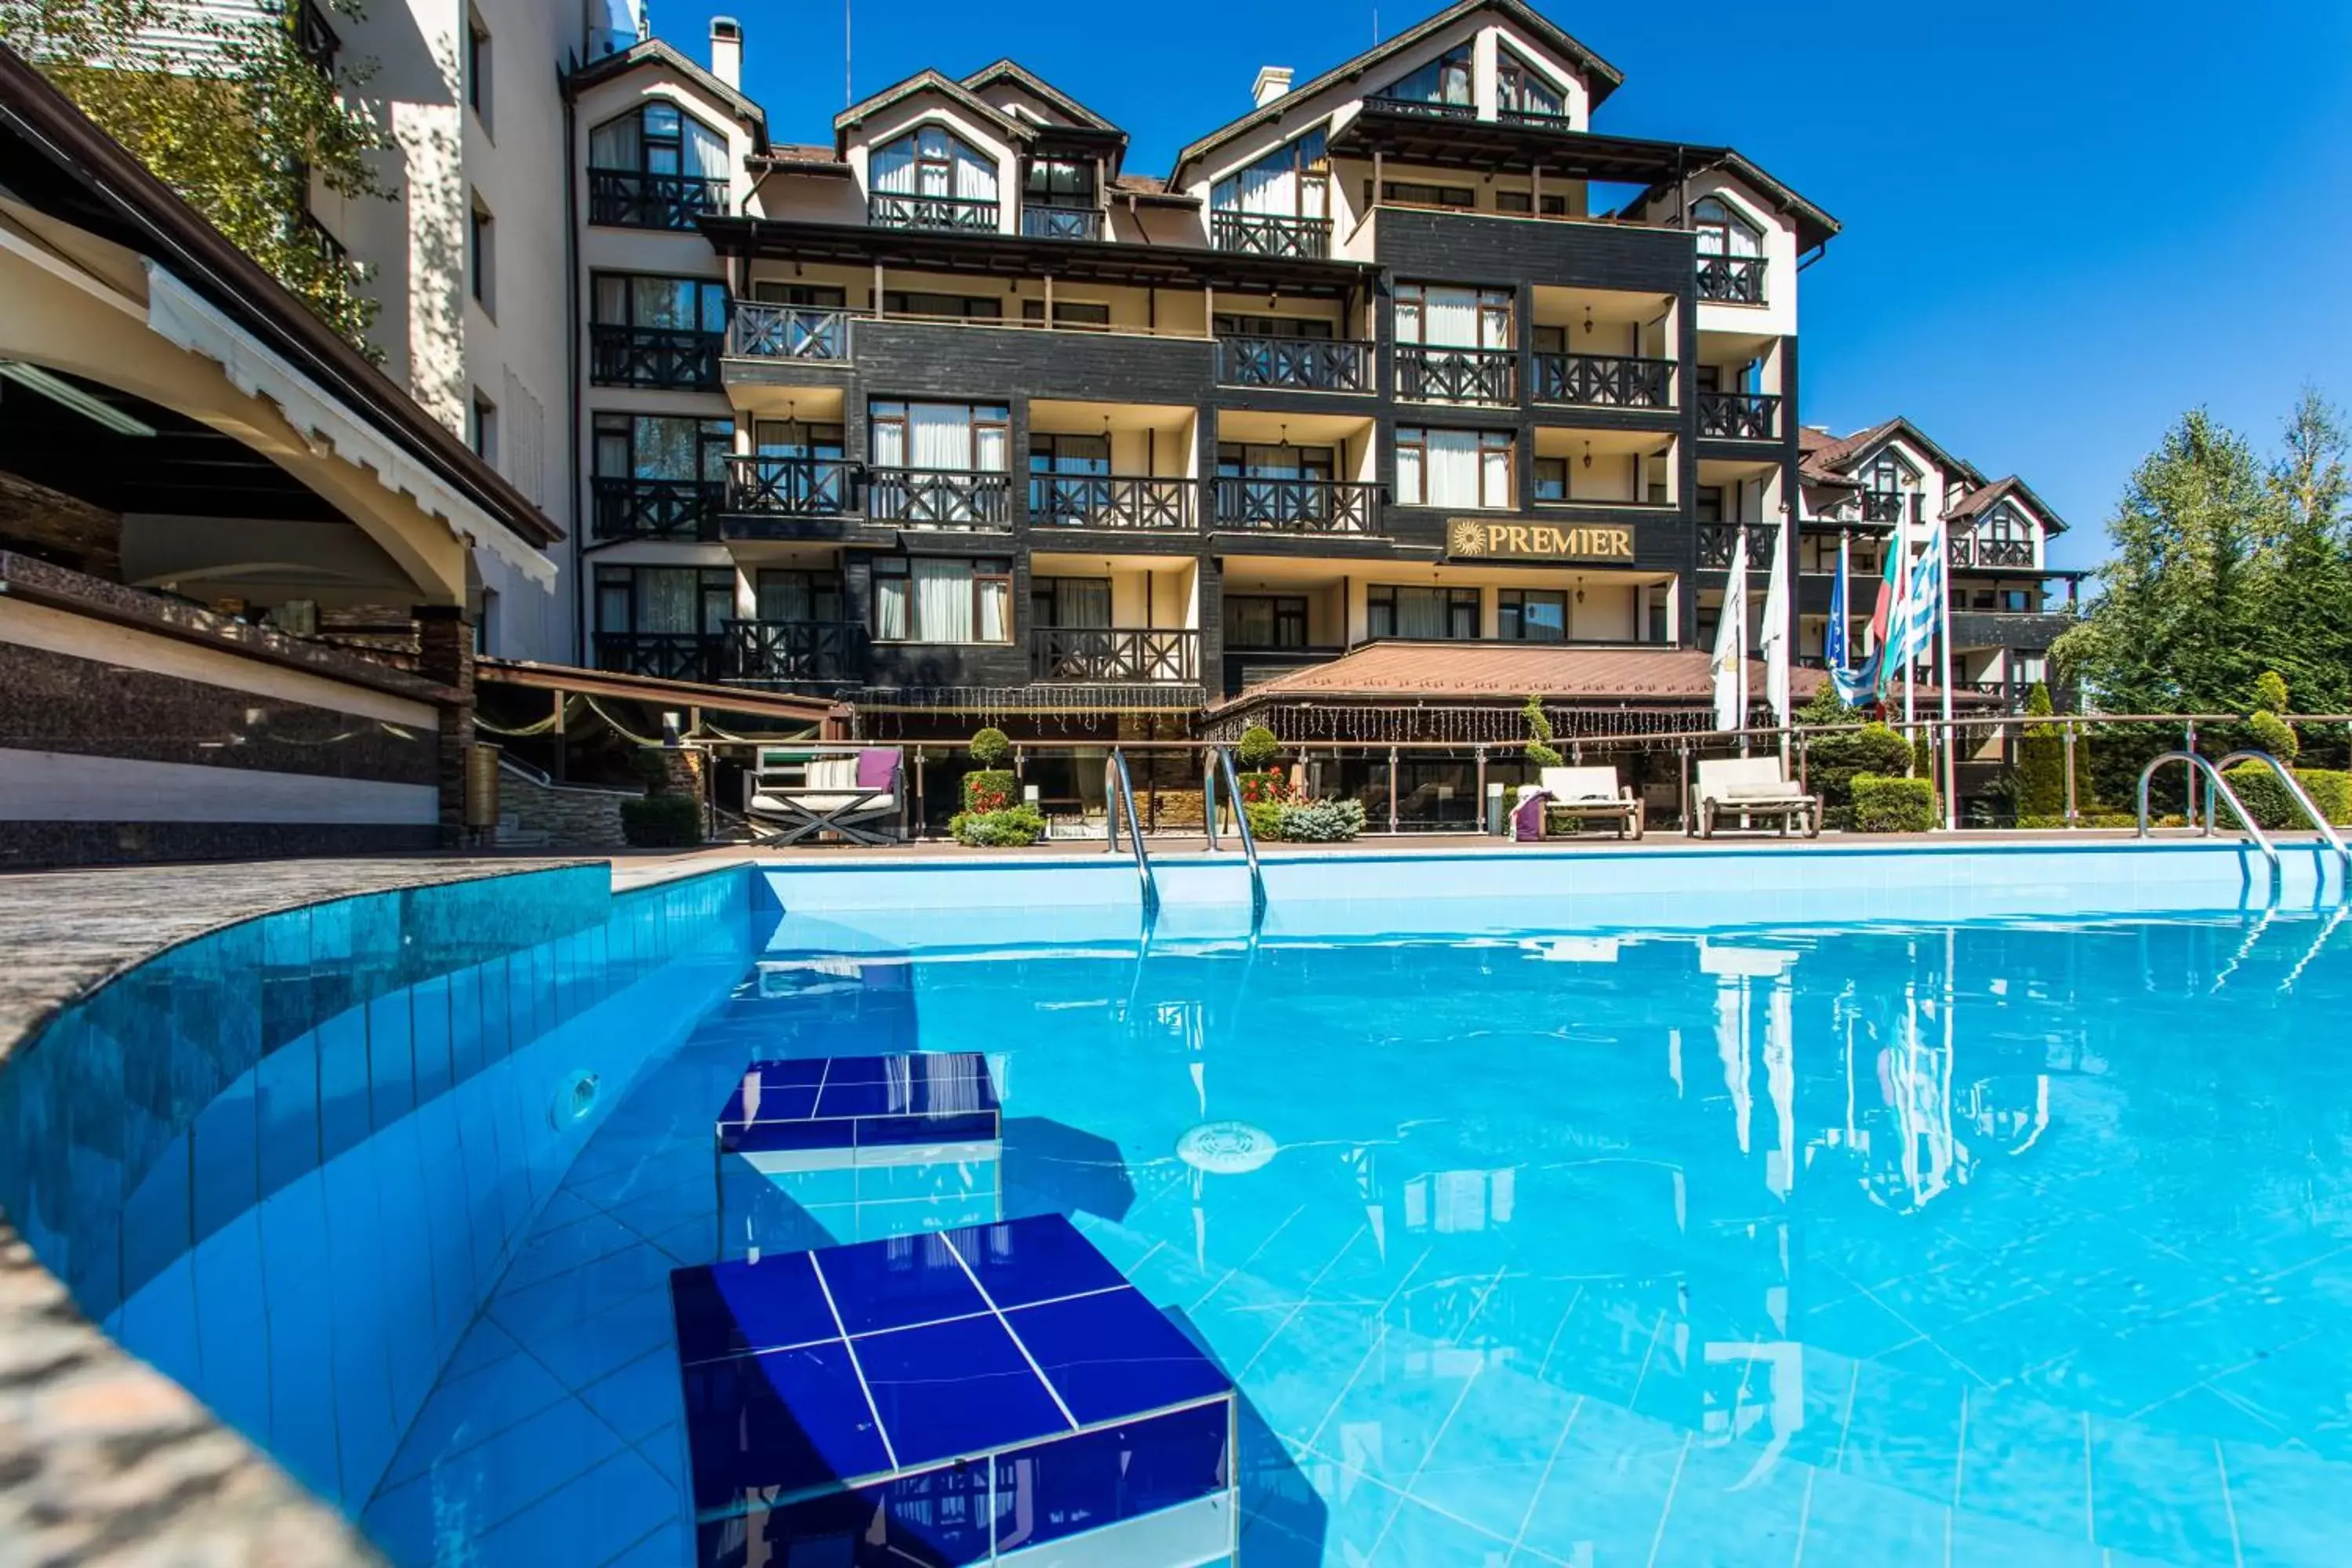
(1471, 539)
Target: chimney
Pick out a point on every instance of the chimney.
(1272, 82)
(727, 51)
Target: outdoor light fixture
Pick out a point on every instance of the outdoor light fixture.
(59, 390)
(1587, 454)
(1588, 317)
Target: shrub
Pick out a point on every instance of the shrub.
(1884, 804)
(1258, 748)
(662, 822)
(2271, 807)
(990, 747)
(1832, 761)
(1006, 828)
(651, 769)
(1264, 820)
(991, 789)
(1321, 821)
(2041, 762)
(2270, 691)
(2275, 735)
(1541, 751)
(1272, 786)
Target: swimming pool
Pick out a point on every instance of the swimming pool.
(1652, 1211)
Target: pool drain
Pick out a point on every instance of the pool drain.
(574, 1098)
(1227, 1147)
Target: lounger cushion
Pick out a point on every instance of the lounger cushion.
(878, 768)
(1779, 790)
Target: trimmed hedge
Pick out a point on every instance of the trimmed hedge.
(1883, 804)
(2273, 807)
(1833, 760)
(662, 822)
(1009, 829)
(990, 790)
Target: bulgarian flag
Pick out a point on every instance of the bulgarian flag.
(1886, 620)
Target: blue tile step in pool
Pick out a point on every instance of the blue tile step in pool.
(996, 1393)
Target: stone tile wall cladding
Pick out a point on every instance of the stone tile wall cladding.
(572, 817)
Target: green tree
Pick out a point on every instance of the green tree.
(2307, 601)
(2041, 761)
(1541, 751)
(240, 124)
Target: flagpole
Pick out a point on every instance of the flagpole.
(1741, 667)
(1910, 654)
(1941, 544)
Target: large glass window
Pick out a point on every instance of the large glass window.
(677, 304)
(1423, 194)
(1551, 478)
(920, 302)
(932, 160)
(1058, 183)
(1259, 460)
(1265, 620)
(771, 291)
(1443, 614)
(1521, 89)
(1454, 467)
(934, 599)
(1437, 316)
(1722, 232)
(658, 140)
(1054, 453)
(661, 446)
(1531, 615)
(799, 596)
(1230, 325)
(1444, 80)
(952, 437)
(1081, 602)
(796, 438)
(1292, 181)
(672, 600)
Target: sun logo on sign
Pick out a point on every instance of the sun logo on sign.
(1466, 538)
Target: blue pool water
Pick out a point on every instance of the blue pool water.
(2025, 1241)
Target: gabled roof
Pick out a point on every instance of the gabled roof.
(1601, 77)
(1078, 114)
(929, 80)
(1984, 498)
(1826, 459)
(652, 51)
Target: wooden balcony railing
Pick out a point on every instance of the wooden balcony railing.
(1445, 375)
(630, 198)
(1604, 380)
(628, 507)
(1740, 416)
(969, 212)
(1302, 364)
(756, 330)
(1114, 654)
(1966, 550)
(790, 486)
(1270, 233)
(1422, 107)
(653, 356)
(1731, 280)
(1297, 506)
(939, 497)
(1062, 223)
(1715, 541)
(1885, 505)
(663, 656)
(1109, 501)
(799, 653)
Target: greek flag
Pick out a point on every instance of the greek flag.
(1923, 601)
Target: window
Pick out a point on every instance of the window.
(1521, 89)
(1551, 478)
(1074, 602)
(932, 162)
(1052, 454)
(953, 436)
(815, 296)
(1257, 460)
(669, 304)
(918, 303)
(477, 68)
(482, 429)
(1722, 232)
(1233, 326)
(486, 625)
(658, 138)
(1420, 193)
(2004, 527)
(1292, 181)
(1707, 506)
(800, 597)
(1531, 615)
(661, 446)
(1436, 316)
(1448, 614)
(932, 599)
(1258, 621)
(1444, 80)
(1889, 474)
(481, 259)
(1058, 183)
(796, 438)
(1454, 467)
(1522, 201)
(673, 601)
(1076, 315)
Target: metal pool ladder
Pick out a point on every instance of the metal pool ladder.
(1221, 757)
(2216, 784)
(1118, 789)
(2302, 801)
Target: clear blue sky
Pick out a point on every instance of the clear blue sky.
(2067, 221)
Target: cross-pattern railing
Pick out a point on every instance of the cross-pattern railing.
(653, 356)
(1109, 501)
(1604, 380)
(939, 497)
(1715, 541)
(757, 330)
(1731, 280)
(1062, 223)
(799, 652)
(628, 507)
(1303, 364)
(632, 198)
(1113, 654)
(885, 211)
(665, 656)
(1271, 234)
(1424, 107)
(1884, 506)
(1298, 506)
(1740, 416)
(1445, 375)
(790, 486)
(1966, 550)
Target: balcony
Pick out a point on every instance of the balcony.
(1715, 541)
(1062, 223)
(1422, 108)
(1270, 233)
(653, 356)
(2026, 631)
(1111, 653)
(1888, 506)
(967, 214)
(627, 507)
(1247, 667)
(1740, 416)
(1604, 380)
(939, 497)
(1109, 501)
(1731, 280)
(1966, 549)
(1297, 364)
(798, 653)
(630, 198)
(1297, 506)
(759, 331)
(791, 487)
(1425, 374)
(663, 656)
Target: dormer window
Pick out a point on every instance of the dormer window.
(931, 178)
(655, 167)
(1523, 93)
(1443, 88)
(1279, 205)
(1058, 200)
(1730, 254)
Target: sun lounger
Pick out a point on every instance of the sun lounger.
(1580, 793)
(1751, 787)
(798, 792)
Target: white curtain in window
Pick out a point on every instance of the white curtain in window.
(665, 599)
(995, 610)
(1084, 602)
(890, 444)
(988, 448)
(1495, 470)
(890, 608)
(941, 436)
(1452, 464)
(616, 145)
(1421, 613)
(891, 170)
(706, 151)
(1410, 480)
(975, 173)
(1270, 185)
(1452, 317)
(942, 601)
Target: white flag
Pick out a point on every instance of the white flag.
(1775, 634)
(1728, 664)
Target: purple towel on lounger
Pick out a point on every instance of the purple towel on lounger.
(877, 768)
(1528, 821)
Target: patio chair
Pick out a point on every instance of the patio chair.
(853, 792)
(1582, 793)
(1752, 787)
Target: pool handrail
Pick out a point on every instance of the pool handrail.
(1119, 789)
(1241, 820)
(2302, 799)
(2217, 784)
